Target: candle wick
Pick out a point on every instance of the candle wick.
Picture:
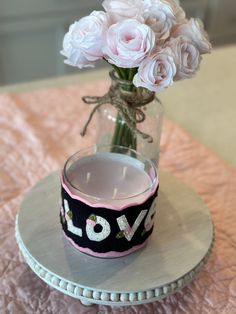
(124, 172)
(88, 177)
(114, 193)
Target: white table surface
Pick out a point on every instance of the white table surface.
(179, 246)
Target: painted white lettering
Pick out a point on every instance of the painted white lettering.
(149, 221)
(70, 225)
(125, 227)
(101, 235)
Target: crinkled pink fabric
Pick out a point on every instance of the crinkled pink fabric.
(39, 130)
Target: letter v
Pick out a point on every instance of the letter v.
(125, 227)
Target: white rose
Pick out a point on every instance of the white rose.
(123, 9)
(128, 43)
(178, 11)
(186, 56)
(194, 31)
(156, 72)
(162, 15)
(83, 44)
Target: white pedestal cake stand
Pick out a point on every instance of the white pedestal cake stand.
(179, 246)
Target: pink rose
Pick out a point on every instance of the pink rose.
(161, 16)
(90, 222)
(178, 11)
(123, 9)
(186, 56)
(83, 43)
(156, 72)
(127, 231)
(194, 31)
(128, 43)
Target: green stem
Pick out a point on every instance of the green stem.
(132, 72)
(126, 136)
(123, 135)
(117, 130)
(120, 137)
(122, 72)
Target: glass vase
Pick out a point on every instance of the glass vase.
(145, 117)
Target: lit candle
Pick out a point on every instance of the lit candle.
(108, 196)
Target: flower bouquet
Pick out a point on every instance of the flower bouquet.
(149, 43)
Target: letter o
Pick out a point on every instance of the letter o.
(98, 236)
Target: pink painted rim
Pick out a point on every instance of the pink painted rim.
(108, 254)
(113, 207)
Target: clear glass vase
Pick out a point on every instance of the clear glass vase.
(143, 132)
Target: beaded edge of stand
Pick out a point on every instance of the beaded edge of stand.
(109, 298)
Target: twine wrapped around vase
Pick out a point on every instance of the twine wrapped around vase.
(129, 104)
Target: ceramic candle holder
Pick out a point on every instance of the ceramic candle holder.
(108, 200)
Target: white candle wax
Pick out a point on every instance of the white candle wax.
(111, 179)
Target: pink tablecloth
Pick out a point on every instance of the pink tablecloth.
(39, 130)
